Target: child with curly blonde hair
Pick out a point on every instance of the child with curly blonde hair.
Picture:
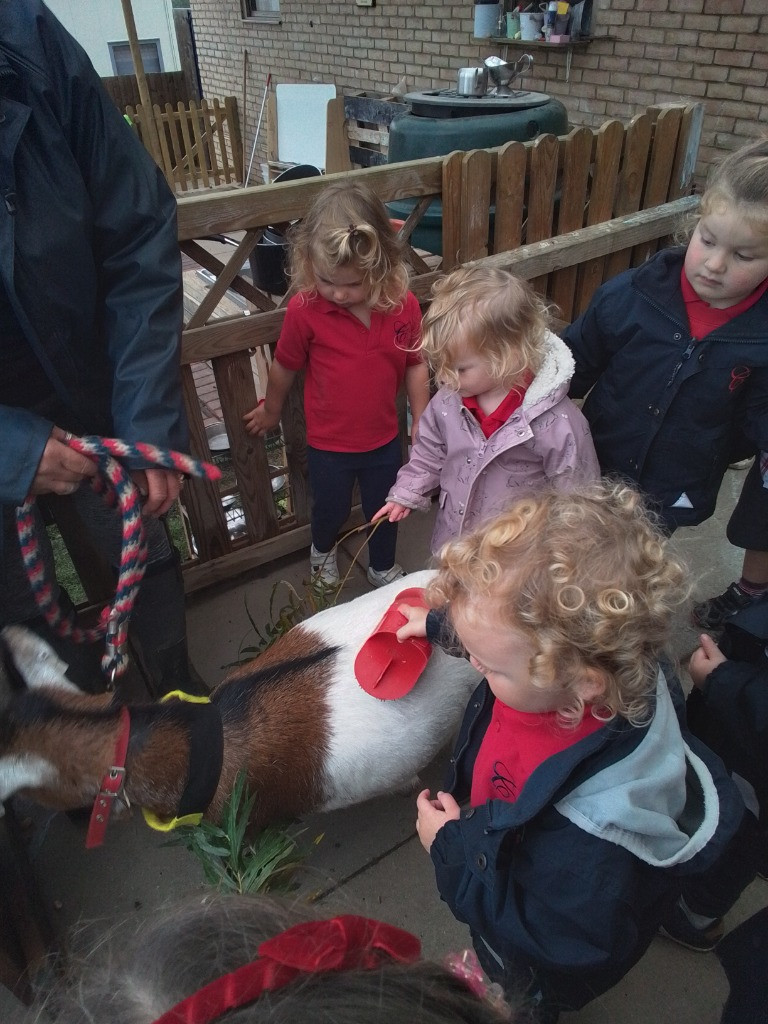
(354, 327)
(586, 803)
(501, 424)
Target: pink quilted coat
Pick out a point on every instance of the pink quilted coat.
(545, 442)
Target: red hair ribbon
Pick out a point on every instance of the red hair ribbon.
(314, 947)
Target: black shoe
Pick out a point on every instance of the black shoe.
(713, 613)
(676, 926)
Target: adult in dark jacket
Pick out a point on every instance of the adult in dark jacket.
(90, 309)
(667, 410)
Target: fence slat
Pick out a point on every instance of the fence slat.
(202, 163)
(235, 138)
(577, 153)
(202, 500)
(234, 381)
(188, 163)
(542, 188)
(608, 146)
(220, 119)
(510, 197)
(475, 204)
(637, 142)
(658, 179)
(451, 187)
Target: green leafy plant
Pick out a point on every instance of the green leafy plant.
(233, 857)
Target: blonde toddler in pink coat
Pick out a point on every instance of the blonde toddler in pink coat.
(501, 424)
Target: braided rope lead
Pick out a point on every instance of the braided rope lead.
(114, 483)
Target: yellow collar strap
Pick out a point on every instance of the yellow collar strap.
(213, 763)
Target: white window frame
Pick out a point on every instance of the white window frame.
(142, 44)
(265, 11)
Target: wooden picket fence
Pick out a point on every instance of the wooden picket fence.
(200, 143)
(566, 213)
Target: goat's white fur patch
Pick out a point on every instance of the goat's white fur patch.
(36, 660)
(25, 771)
(378, 746)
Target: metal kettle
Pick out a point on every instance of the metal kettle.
(472, 82)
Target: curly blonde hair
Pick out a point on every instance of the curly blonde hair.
(348, 226)
(497, 315)
(739, 182)
(588, 580)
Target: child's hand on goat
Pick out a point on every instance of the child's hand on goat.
(416, 624)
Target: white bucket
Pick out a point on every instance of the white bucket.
(486, 20)
(530, 25)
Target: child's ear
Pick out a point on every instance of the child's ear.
(591, 687)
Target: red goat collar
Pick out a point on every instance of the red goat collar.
(111, 785)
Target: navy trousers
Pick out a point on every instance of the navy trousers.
(332, 476)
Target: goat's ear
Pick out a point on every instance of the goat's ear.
(33, 661)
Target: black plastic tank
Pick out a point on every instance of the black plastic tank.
(441, 121)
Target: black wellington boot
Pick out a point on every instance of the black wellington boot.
(158, 630)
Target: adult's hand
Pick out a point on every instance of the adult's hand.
(61, 470)
(704, 660)
(159, 489)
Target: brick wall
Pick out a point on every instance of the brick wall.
(653, 51)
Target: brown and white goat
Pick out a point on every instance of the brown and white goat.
(295, 719)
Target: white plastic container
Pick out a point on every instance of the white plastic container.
(486, 20)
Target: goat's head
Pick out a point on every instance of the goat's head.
(39, 707)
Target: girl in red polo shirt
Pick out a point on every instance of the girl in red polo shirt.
(501, 425)
(354, 327)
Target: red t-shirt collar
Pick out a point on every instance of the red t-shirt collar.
(703, 318)
(493, 420)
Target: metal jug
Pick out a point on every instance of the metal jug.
(472, 82)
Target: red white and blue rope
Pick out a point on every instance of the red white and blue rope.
(113, 481)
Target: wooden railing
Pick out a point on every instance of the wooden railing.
(566, 213)
(200, 143)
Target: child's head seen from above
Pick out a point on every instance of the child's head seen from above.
(346, 250)
(564, 601)
(727, 255)
(486, 314)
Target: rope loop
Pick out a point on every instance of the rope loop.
(114, 483)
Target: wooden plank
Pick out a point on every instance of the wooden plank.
(451, 187)
(162, 134)
(210, 141)
(229, 271)
(234, 380)
(295, 437)
(475, 205)
(637, 142)
(681, 183)
(617, 235)
(173, 131)
(210, 263)
(201, 498)
(220, 117)
(666, 132)
(336, 143)
(187, 161)
(235, 137)
(194, 120)
(222, 213)
(510, 197)
(542, 187)
(577, 154)
(608, 147)
(226, 567)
